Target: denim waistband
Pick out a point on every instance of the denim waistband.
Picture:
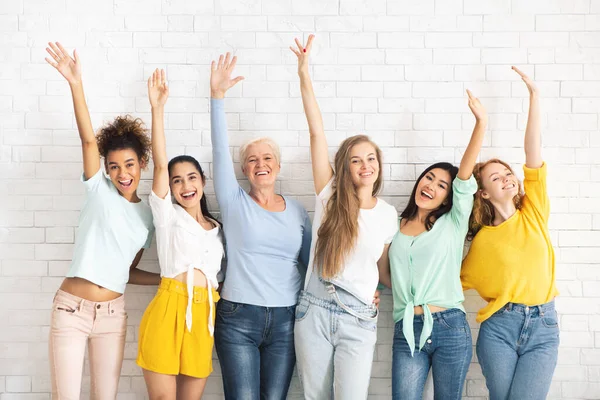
(331, 305)
(539, 309)
(440, 314)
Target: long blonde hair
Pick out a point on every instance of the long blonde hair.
(483, 213)
(339, 228)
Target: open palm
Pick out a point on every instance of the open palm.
(303, 53)
(69, 67)
(158, 91)
(220, 75)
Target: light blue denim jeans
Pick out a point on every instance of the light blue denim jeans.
(517, 350)
(334, 349)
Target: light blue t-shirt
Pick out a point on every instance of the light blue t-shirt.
(111, 232)
(267, 252)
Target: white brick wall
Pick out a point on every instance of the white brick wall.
(394, 69)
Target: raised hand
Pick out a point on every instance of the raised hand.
(158, 91)
(220, 76)
(528, 81)
(303, 53)
(69, 67)
(477, 108)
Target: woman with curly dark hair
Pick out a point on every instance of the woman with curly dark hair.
(114, 228)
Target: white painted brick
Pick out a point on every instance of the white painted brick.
(448, 40)
(386, 24)
(360, 7)
(362, 40)
(338, 73)
(429, 73)
(288, 23)
(457, 56)
(367, 56)
(504, 56)
(366, 89)
(18, 384)
(338, 24)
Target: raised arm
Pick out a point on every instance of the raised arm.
(220, 82)
(158, 92)
(533, 132)
(70, 68)
(470, 157)
(322, 171)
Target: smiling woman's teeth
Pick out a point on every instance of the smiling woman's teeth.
(188, 194)
(427, 195)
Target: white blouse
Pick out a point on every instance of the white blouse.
(184, 245)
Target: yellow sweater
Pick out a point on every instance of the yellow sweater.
(514, 261)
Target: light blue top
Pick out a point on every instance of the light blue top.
(111, 232)
(426, 268)
(267, 252)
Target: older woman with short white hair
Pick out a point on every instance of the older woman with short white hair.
(268, 240)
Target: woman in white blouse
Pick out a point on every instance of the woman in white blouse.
(176, 332)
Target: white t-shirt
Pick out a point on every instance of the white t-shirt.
(184, 245)
(376, 228)
(111, 232)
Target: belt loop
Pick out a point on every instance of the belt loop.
(109, 308)
(81, 305)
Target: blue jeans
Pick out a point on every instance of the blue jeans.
(448, 351)
(255, 346)
(517, 350)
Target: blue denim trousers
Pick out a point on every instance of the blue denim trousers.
(255, 346)
(334, 348)
(517, 350)
(448, 352)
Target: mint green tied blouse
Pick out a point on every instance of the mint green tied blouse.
(426, 268)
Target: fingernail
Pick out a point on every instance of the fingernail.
(304, 50)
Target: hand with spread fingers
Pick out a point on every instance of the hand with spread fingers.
(158, 91)
(69, 67)
(220, 76)
(303, 53)
(528, 81)
(477, 108)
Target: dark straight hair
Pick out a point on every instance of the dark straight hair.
(196, 164)
(412, 209)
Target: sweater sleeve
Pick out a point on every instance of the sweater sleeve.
(226, 185)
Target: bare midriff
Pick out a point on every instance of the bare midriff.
(88, 290)
(433, 309)
(199, 278)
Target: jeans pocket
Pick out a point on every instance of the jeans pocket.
(226, 307)
(302, 309)
(550, 320)
(455, 321)
(371, 326)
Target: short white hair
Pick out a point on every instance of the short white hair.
(274, 147)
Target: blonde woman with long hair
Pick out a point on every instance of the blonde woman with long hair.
(511, 265)
(336, 320)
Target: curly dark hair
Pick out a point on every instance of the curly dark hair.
(125, 132)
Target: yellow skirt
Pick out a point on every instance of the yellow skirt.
(165, 346)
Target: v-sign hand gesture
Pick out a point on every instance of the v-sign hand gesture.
(220, 76)
(303, 53)
(69, 67)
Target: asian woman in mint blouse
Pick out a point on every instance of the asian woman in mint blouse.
(431, 329)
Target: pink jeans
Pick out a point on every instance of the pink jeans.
(76, 321)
